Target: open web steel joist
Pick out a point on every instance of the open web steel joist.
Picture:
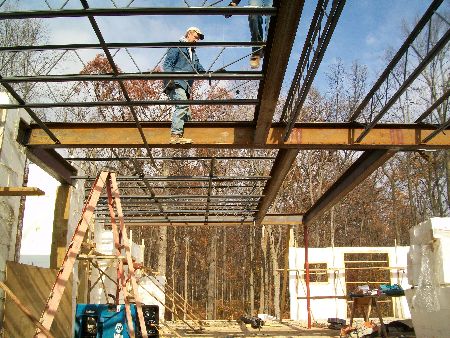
(271, 133)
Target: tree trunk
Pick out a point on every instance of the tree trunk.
(275, 274)
(411, 199)
(430, 183)
(264, 274)
(186, 265)
(439, 188)
(393, 218)
(250, 282)
(162, 251)
(172, 272)
(332, 230)
(224, 269)
(447, 174)
(211, 287)
(361, 230)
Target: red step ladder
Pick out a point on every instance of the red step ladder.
(121, 241)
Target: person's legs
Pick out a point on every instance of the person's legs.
(255, 23)
(256, 30)
(266, 3)
(181, 113)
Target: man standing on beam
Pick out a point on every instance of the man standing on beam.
(182, 59)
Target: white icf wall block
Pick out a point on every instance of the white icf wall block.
(429, 264)
(435, 234)
(151, 289)
(323, 309)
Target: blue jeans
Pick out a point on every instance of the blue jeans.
(181, 113)
(256, 22)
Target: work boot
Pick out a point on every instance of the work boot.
(254, 61)
(179, 139)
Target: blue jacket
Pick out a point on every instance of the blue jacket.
(177, 60)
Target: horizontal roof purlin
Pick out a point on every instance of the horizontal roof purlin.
(228, 102)
(114, 45)
(234, 75)
(134, 11)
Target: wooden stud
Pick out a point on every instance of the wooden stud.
(21, 191)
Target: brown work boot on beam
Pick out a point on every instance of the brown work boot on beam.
(179, 139)
(254, 61)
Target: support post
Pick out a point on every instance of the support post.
(285, 272)
(308, 295)
(60, 226)
(127, 246)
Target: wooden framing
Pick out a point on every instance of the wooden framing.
(21, 191)
(25, 310)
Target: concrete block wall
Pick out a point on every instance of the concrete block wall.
(12, 164)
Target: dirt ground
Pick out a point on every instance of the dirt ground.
(231, 329)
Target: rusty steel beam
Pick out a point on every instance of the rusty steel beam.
(53, 163)
(283, 219)
(113, 45)
(187, 224)
(268, 219)
(238, 135)
(276, 60)
(365, 165)
(280, 169)
(146, 103)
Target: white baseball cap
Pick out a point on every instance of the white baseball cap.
(197, 30)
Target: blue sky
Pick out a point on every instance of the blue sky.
(364, 32)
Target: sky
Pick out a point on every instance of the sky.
(365, 30)
(38, 219)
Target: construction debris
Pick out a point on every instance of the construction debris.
(255, 322)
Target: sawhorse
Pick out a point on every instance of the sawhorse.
(365, 303)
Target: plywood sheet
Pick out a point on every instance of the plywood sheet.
(32, 286)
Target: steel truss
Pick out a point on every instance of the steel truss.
(370, 160)
(313, 52)
(208, 199)
(389, 87)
